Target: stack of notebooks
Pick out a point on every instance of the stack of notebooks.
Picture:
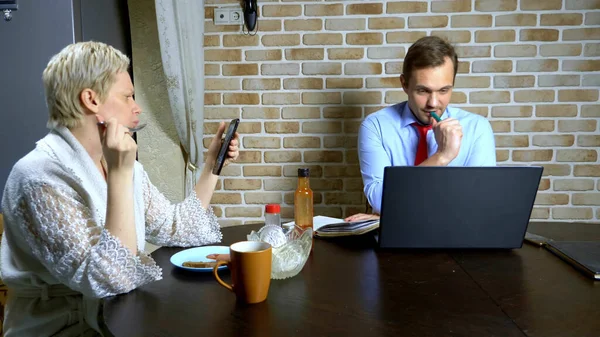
(325, 226)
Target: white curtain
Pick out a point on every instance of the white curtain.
(181, 36)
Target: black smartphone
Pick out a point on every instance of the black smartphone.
(225, 146)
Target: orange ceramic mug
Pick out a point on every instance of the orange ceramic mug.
(250, 268)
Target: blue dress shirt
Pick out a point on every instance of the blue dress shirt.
(386, 138)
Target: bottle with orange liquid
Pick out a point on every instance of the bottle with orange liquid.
(303, 200)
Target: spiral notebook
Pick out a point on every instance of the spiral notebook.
(583, 255)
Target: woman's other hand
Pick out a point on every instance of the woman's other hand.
(361, 217)
(215, 146)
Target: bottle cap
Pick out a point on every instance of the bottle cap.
(303, 172)
(272, 208)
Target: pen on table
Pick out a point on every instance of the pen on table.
(435, 116)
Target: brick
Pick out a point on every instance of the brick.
(212, 99)
(469, 82)
(262, 142)
(392, 97)
(556, 110)
(489, 97)
(588, 199)
(238, 41)
(321, 98)
(281, 10)
(558, 80)
(544, 185)
(572, 213)
(322, 68)
(280, 69)
(464, 21)
(263, 198)
(592, 49)
(326, 184)
(511, 141)
(502, 155)
(430, 21)
(590, 111)
(261, 84)
(209, 12)
(573, 185)
(540, 213)
(553, 140)
(386, 52)
(270, 25)
(451, 6)
(323, 156)
(383, 82)
(212, 40)
(579, 34)
(591, 80)
(283, 156)
(343, 198)
(281, 40)
(578, 95)
(404, 37)
(346, 142)
(223, 55)
(302, 142)
(582, 4)
(508, 111)
(345, 53)
(246, 69)
(282, 127)
(561, 49)
(458, 97)
(362, 68)
(301, 112)
(531, 155)
(496, 35)
(241, 98)
(324, 10)
(244, 211)
(393, 68)
(249, 127)
(342, 171)
(576, 155)
(345, 24)
(495, 5)
(574, 19)
(534, 96)
(538, 35)
(473, 51)
(323, 39)
(534, 126)
(344, 83)
(362, 97)
(226, 198)
(263, 55)
(581, 65)
(249, 157)
(455, 36)
(519, 20)
(303, 25)
(364, 9)
(492, 66)
(587, 171)
(292, 171)
(547, 65)
(584, 125)
(551, 199)
(519, 81)
(221, 113)
(463, 67)
(364, 38)
(592, 18)
(386, 23)
(404, 7)
(322, 127)
(242, 184)
(212, 69)
(342, 112)
(556, 170)
(303, 83)
(210, 27)
(588, 140)
(221, 84)
(259, 171)
(533, 5)
(305, 54)
(521, 50)
(260, 113)
(353, 185)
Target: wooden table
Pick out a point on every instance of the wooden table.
(349, 289)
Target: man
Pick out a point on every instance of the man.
(407, 134)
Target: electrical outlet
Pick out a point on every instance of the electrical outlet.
(228, 16)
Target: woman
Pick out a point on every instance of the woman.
(79, 207)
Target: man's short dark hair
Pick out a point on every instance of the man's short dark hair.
(428, 52)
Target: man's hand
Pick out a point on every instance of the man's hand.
(448, 135)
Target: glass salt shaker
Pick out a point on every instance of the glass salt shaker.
(272, 215)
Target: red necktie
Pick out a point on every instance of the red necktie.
(422, 147)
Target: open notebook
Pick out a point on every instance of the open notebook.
(325, 226)
(583, 255)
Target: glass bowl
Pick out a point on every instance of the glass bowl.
(289, 257)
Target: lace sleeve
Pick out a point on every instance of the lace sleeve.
(184, 224)
(75, 249)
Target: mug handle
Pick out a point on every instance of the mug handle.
(216, 274)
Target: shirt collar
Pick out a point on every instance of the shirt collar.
(407, 117)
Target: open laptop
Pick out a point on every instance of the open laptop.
(457, 207)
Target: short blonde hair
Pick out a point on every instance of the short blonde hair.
(79, 66)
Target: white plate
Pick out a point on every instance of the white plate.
(198, 254)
